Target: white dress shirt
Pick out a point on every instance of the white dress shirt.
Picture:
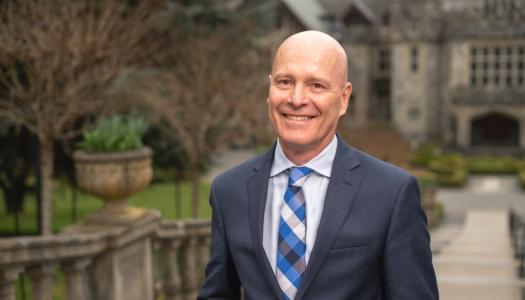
(314, 190)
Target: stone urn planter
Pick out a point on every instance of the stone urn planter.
(114, 176)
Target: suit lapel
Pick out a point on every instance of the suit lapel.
(344, 183)
(257, 187)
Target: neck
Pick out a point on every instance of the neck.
(299, 154)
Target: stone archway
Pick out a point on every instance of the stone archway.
(495, 130)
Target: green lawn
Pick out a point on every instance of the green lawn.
(160, 196)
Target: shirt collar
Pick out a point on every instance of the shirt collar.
(321, 164)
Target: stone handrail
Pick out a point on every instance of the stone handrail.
(140, 261)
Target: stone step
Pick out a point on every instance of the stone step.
(478, 261)
(452, 289)
(476, 271)
(469, 259)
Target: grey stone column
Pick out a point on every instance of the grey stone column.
(76, 281)
(171, 281)
(204, 255)
(463, 133)
(8, 278)
(189, 268)
(42, 281)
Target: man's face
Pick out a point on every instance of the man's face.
(308, 94)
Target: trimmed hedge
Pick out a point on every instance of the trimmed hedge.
(492, 165)
(450, 169)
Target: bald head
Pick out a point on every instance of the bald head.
(318, 46)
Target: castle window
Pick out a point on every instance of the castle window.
(489, 7)
(414, 59)
(414, 113)
(474, 66)
(521, 65)
(509, 80)
(384, 60)
(497, 66)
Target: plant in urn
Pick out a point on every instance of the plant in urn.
(113, 164)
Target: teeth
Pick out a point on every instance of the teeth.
(298, 118)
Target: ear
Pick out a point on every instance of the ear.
(270, 78)
(345, 98)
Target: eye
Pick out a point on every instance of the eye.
(283, 82)
(317, 85)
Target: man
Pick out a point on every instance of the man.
(313, 218)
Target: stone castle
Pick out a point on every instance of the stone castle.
(447, 71)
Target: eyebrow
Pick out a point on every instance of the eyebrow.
(309, 78)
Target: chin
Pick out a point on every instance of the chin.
(297, 141)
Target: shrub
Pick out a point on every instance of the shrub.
(425, 179)
(492, 165)
(450, 169)
(424, 155)
(116, 133)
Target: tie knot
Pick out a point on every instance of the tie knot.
(298, 175)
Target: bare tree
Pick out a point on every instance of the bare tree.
(57, 60)
(211, 91)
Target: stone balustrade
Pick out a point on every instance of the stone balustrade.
(183, 251)
(144, 260)
(147, 259)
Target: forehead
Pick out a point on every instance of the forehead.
(303, 57)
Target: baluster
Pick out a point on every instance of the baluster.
(156, 260)
(75, 280)
(189, 268)
(171, 281)
(204, 255)
(42, 281)
(8, 278)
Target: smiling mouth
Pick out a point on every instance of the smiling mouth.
(298, 117)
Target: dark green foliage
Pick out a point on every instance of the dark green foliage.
(17, 156)
(428, 180)
(424, 155)
(170, 158)
(113, 134)
(210, 14)
(450, 169)
(492, 165)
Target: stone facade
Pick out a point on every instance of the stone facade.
(449, 71)
(456, 73)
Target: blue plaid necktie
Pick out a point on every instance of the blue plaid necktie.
(291, 251)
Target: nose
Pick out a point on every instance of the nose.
(298, 96)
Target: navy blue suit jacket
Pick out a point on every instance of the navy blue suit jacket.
(372, 241)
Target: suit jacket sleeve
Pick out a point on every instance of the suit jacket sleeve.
(222, 281)
(408, 271)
